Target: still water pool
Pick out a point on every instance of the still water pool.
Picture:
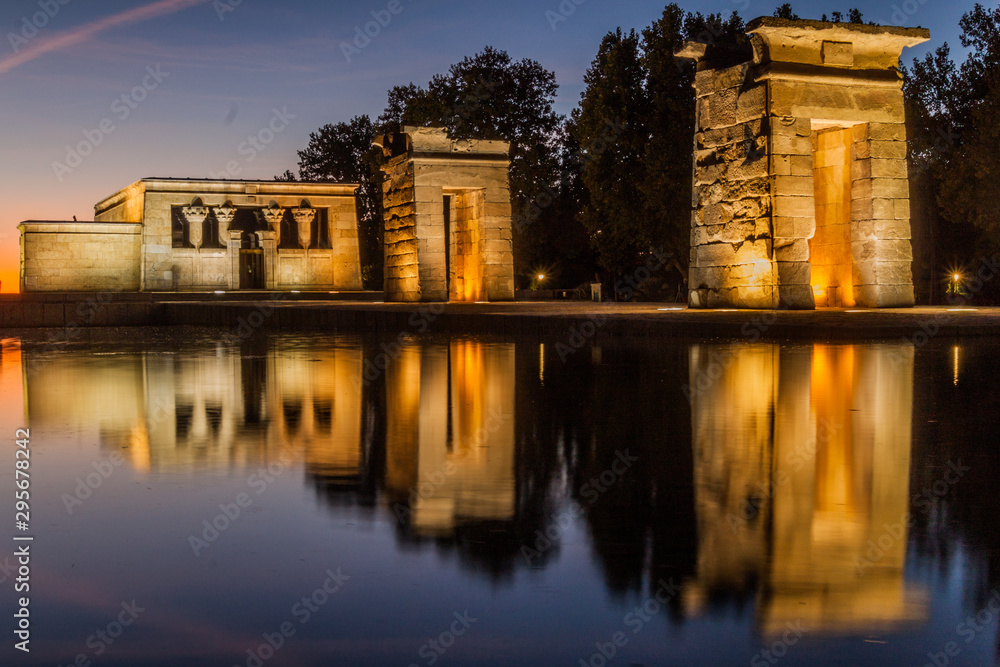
(197, 499)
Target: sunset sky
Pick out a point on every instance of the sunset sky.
(199, 77)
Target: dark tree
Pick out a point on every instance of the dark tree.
(343, 153)
(638, 177)
(785, 12)
(611, 126)
(491, 96)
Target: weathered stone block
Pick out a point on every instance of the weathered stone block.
(792, 207)
(795, 251)
(796, 297)
(793, 273)
(882, 250)
(888, 168)
(793, 185)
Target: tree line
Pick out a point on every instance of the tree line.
(607, 188)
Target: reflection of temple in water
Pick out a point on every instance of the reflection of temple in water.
(802, 458)
(448, 430)
(211, 408)
(450, 433)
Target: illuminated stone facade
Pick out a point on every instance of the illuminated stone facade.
(800, 180)
(447, 218)
(196, 235)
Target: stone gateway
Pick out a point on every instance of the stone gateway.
(801, 194)
(447, 218)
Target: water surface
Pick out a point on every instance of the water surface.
(424, 500)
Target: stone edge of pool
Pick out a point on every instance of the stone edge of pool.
(574, 320)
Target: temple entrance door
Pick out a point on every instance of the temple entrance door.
(252, 268)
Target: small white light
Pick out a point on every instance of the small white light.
(541, 276)
(855, 311)
(481, 302)
(670, 309)
(219, 291)
(962, 310)
(295, 291)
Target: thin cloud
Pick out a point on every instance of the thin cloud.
(73, 37)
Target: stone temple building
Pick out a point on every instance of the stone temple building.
(162, 234)
(801, 194)
(447, 218)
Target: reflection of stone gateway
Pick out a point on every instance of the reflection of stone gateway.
(800, 178)
(793, 499)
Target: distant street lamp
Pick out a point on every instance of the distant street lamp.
(541, 277)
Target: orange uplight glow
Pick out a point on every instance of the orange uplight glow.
(830, 247)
